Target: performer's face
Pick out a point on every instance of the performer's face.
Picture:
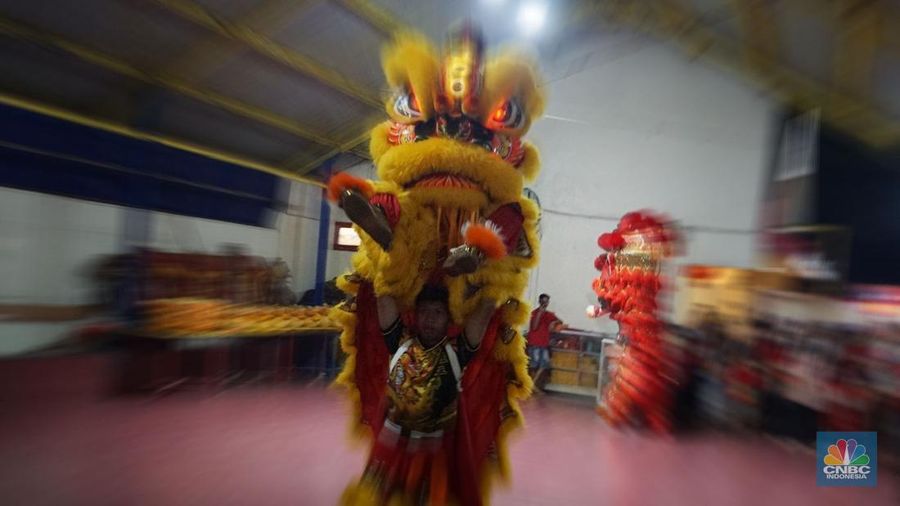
(432, 319)
(544, 302)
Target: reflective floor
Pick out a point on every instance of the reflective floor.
(288, 445)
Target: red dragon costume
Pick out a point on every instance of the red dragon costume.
(640, 393)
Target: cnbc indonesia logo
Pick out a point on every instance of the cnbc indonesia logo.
(846, 460)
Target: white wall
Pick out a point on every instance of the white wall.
(170, 232)
(339, 261)
(45, 242)
(646, 128)
(298, 234)
(45, 245)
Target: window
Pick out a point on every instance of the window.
(345, 237)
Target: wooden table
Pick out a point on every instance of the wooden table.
(160, 363)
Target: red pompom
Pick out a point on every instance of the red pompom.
(603, 241)
(600, 262)
(611, 241)
(651, 221)
(643, 225)
(629, 221)
(486, 238)
(346, 181)
(597, 285)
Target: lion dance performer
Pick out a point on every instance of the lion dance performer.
(628, 286)
(447, 241)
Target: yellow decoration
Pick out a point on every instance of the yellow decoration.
(512, 75)
(411, 63)
(195, 317)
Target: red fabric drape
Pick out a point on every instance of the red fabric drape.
(372, 359)
(481, 401)
(478, 420)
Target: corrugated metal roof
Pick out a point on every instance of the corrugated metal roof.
(338, 39)
(133, 31)
(272, 86)
(190, 48)
(808, 42)
(886, 79)
(34, 72)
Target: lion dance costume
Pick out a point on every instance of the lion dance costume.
(450, 210)
(639, 393)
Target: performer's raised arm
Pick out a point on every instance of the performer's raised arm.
(478, 322)
(388, 313)
(389, 322)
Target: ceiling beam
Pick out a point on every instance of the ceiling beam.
(314, 164)
(666, 20)
(858, 25)
(379, 18)
(759, 31)
(361, 151)
(172, 142)
(826, 12)
(262, 116)
(262, 45)
(357, 146)
(204, 56)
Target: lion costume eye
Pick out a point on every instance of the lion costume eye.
(506, 116)
(406, 106)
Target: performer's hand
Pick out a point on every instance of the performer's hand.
(478, 322)
(388, 311)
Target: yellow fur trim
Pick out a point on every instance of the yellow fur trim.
(403, 270)
(530, 213)
(471, 200)
(517, 315)
(405, 163)
(346, 286)
(531, 163)
(497, 279)
(387, 187)
(410, 61)
(378, 141)
(511, 75)
(361, 493)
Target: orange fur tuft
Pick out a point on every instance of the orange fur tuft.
(344, 181)
(487, 239)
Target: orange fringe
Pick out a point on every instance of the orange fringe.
(486, 239)
(343, 181)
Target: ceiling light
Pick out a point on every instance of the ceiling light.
(531, 17)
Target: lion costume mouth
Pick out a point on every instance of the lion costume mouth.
(443, 168)
(445, 180)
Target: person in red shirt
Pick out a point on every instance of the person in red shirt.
(543, 322)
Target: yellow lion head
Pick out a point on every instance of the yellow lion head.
(454, 136)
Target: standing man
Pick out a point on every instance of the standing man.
(543, 322)
(415, 456)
